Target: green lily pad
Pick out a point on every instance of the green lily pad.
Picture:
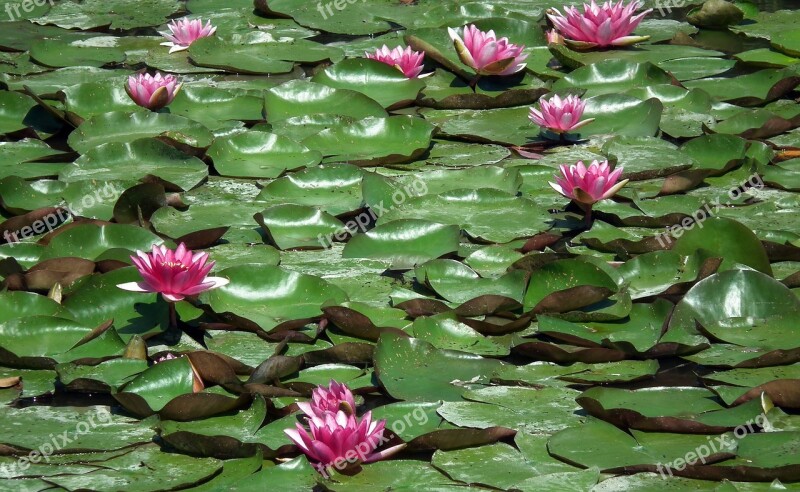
(259, 155)
(600, 444)
(117, 14)
(585, 282)
(55, 53)
(334, 188)
(298, 226)
(444, 331)
(22, 158)
(486, 214)
(379, 140)
(532, 410)
(120, 128)
(427, 374)
(98, 300)
(757, 297)
(141, 158)
(612, 76)
(300, 98)
(108, 375)
(122, 471)
(748, 90)
(267, 294)
(727, 239)
(404, 243)
(375, 79)
(99, 428)
(457, 282)
(258, 53)
(14, 111)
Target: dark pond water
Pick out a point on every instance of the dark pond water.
(773, 5)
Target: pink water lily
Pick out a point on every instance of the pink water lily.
(174, 274)
(588, 186)
(152, 91)
(335, 397)
(560, 115)
(342, 441)
(609, 24)
(184, 32)
(407, 61)
(486, 54)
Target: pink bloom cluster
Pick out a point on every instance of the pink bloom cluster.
(407, 61)
(487, 55)
(609, 24)
(338, 438)
(152, 91)
(335, 397)
(560, 115)
(184, 32)
(588, 185)
(175, 274)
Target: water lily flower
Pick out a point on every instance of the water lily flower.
(407, 61)
(560, 115)
(588, 186)
(342, 441)
(486, 54)
(184, 32)
(152, 92)
(609, 24)
(335, 397)
(175, 274)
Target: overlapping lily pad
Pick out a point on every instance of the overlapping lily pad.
(400, 236)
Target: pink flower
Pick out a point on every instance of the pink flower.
(407, 61)
(486, 54)
(175, 274)
(560, 115)
(588, 186)
(152, 92)
(184, 32)
(599, 26)
(335, 397)
(342, 441)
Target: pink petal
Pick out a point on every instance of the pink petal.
(136, 287)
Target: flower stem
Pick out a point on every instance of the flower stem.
(588, 217)
(173, 315)
(474, 82)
